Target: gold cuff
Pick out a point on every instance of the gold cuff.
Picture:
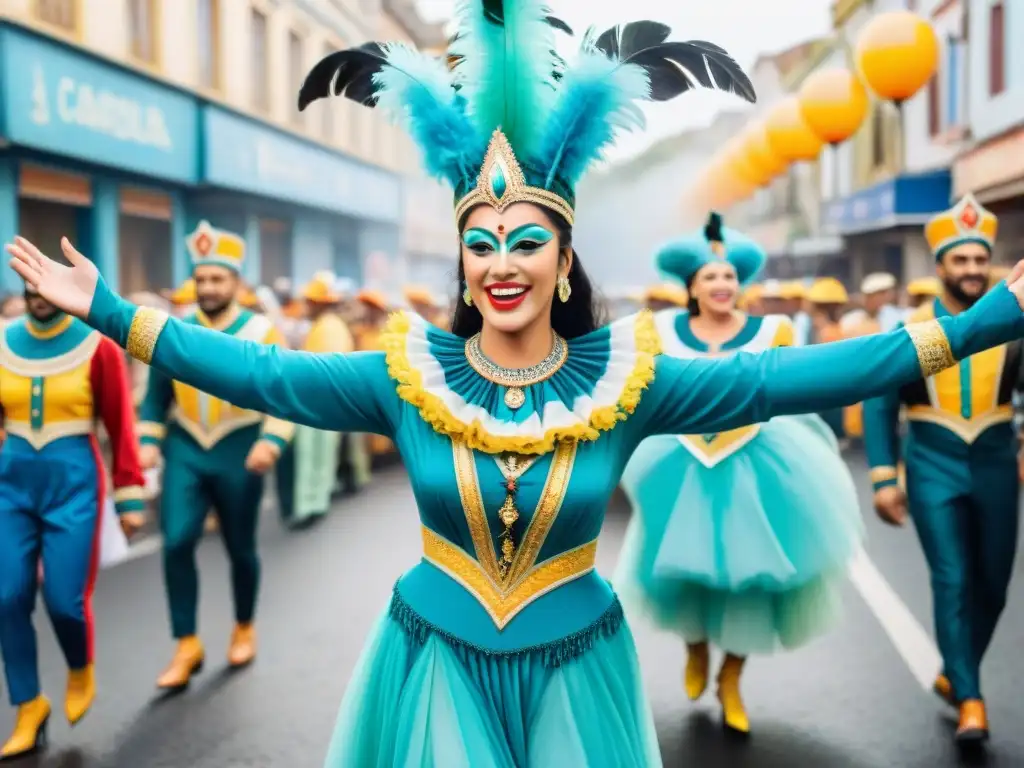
(275, 427)
(129, 493)
(883, 474)
(933, 351)
(151, 429)
(147, 325)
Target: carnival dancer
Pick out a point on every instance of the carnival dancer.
(57, 378)
(961, 466)
(215, 454)
(307, 471)
(738, 538)
(502, 646)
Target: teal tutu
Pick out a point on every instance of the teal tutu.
(747, 554)
(421, 699)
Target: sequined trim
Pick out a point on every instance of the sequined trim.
(504, 605)
(540, 524)
(146, 327)
(152, 430)
(517, 377)
(932, 344)
(883, 474)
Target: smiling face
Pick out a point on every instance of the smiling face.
(964, 272)
(511, 262)
(716, 288)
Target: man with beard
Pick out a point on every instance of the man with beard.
(961, 468)
(215, 455)
(57, 378)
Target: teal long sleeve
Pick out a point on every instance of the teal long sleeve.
(154, 407)
(706, 395)
(343, 393)
(882, 437)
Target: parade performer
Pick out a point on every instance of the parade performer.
(961, 466)
(215, 451)
(307, 471)
(738, 538)
(503, 646)
(57, 378)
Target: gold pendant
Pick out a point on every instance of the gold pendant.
(514, 398)
(508, 514)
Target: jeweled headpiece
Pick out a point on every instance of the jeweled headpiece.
(965, 222)
(209, 245)
(681, 258)
(502, 117)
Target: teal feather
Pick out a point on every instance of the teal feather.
(596, 98)
(507, 66)
(416, 90)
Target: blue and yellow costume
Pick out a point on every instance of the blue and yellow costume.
(205, 440)
(502, 646)
(962, 486)
(58, 380)
(738, 538)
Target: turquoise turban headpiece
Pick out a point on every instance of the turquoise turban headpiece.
(682, 258)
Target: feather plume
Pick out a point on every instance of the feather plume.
(416, 90)
(713, 228)
(350, 72)
(596, 97)
(505, 66)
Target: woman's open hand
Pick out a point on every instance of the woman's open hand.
(1015, 282)
(68, 288)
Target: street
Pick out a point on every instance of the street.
(854, 699)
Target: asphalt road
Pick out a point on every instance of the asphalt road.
(847, 701)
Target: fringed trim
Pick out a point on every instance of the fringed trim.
(552, 654)
(433, 410)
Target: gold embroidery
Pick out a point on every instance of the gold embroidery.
(473, 506)
(883, 474)
(967, 430)
(147, 325)
(933, 350)
(152, 430)
(129, 493)
(503, 606)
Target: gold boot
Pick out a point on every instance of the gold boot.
(944, 690)
(29, 729)
(188, 660)
(734, 714)
(80, 694)
(696, 678)
(242, 650)
(973, 726)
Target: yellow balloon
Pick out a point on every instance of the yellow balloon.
(897, 53)
(742, 165)
(834, 104)
(789, 136)
(760, 152)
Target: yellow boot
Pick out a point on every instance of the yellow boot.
(80, 694)
(188, 660)
(944, 690)
(696, 678)
(242, 650)
(29, 729)
(734, 713)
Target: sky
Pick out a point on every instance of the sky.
(745, 28)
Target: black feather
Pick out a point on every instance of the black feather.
(713, 229)
(349, 73)
(674, 68)
(494, 11)
(558, 24)
(622, 41)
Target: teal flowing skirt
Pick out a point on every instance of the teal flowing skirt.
(747, 554)
(419, 698)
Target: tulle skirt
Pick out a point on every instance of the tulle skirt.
(421, 699)
(746, 554)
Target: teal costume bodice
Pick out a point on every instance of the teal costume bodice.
(450, 417)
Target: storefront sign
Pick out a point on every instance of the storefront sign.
(243, 155)
(67, 103)
(993, 164)
(904, 200)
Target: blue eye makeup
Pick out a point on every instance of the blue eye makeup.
(480, 241)
(524, 240)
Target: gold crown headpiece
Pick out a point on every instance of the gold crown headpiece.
(966, 222)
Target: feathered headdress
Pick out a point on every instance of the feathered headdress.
(502, 117)
(683, 257)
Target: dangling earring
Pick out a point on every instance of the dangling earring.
(564, 289)
(467, 297)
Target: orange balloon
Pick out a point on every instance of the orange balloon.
(897, 53)
(760, 153)
(741, 165)
(789, 136)
(834, 103)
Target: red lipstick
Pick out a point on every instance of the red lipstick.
(506, 296)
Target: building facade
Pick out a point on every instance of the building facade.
(125, 122)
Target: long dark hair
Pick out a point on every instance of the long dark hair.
(580, 315)
(691, 301)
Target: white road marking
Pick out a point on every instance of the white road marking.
(911, 640)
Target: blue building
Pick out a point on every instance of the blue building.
(125, 166)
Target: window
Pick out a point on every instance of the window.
(953, 75)
(59, 13)
(296, 71)
(934, 107)
(327, 108)
(260, 83)
(208, 43)
(877, 139)
(142, 29)
(997, 49)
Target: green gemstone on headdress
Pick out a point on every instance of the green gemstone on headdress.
(498, 183)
